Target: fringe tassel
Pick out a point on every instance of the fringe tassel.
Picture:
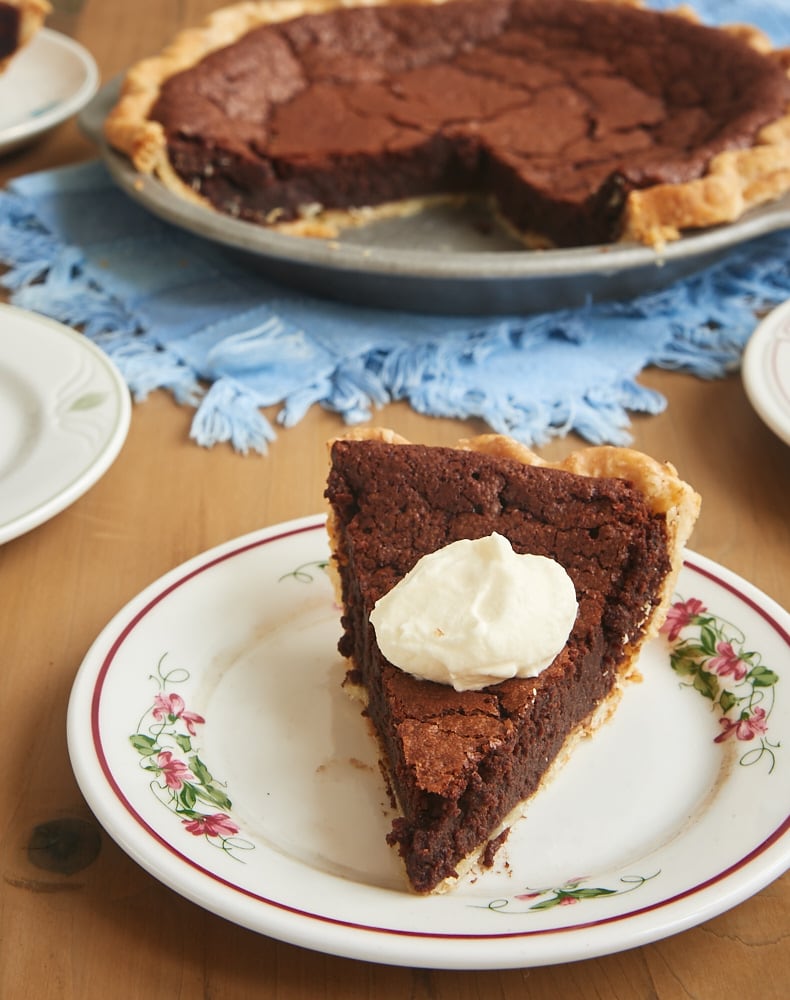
(175, 314)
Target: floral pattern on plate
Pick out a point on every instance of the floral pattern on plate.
(569, 893)
(710, 655)
(165, 740)
(253, 627)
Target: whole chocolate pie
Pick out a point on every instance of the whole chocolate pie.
(582, 122)
(460, 762)
(19, 22)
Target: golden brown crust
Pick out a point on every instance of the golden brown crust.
(32, 14)
(734, 182)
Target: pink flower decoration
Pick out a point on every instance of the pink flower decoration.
(568, 901)
(528, 895)
(745, 728)
(175, 771)
(166, 705)
(727, 661)
(680, 615)
(217, 825)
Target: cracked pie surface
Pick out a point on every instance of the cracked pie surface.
(580, 122)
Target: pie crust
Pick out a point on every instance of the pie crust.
(665, 493)
(735, 180)
(31, 17)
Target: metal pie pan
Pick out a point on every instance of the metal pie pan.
(445, 260)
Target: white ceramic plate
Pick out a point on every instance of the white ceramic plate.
(766, 371)
(209, 734)
(50, 80)
(64, 415)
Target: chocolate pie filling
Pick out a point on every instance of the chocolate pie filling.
(553, 110)
(459, 762)
(9, 29)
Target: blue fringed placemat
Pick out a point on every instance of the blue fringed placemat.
(175, 312)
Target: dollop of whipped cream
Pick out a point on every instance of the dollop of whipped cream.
(475, 613)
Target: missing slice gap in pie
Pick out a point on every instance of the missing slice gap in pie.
(581, 122)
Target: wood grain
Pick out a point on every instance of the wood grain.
(75, 924)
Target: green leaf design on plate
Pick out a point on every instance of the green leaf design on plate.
(763, 677)
(303, 573)
(569, 893)
(706, 684)
(200, 770)
(185, 742)
(188, 796)
(707, 652)
(88, 401)
(143, 744)
(214, 796)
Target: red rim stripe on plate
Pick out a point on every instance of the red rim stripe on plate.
(96, 699)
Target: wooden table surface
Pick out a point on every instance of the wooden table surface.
(110, 929)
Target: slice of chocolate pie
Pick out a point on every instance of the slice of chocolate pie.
(459, 762)
(19, 22)
(581, 122)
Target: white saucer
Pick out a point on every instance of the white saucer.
(766, 371)
(64, 415)
(50, 80)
